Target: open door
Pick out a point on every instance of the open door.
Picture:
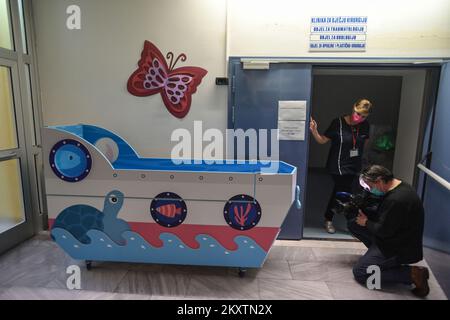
(253, 104)
(436, 193)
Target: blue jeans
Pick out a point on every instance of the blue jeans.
(391, 270)
(341, 184)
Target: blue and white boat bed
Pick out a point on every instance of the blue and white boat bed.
(105, 203)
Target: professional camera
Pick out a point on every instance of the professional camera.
(350, 204)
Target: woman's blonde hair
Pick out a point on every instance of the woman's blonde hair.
(363, 106)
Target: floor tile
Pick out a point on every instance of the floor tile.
(97, 279)
(306, 243)
(23, 293)
(272, 269)
(217, 287)
(23, 275)
(321, 271)
(52, 276)
(440, 264)
(291, 253)
(351, 291)
(199, 270)
(154, 283)
(271, 289)
(338, 254)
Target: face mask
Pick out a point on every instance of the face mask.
(376, 192)
(356, 118)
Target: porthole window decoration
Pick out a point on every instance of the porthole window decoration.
(70, 160)
(109, 148)
(242, 212)
(168, 209)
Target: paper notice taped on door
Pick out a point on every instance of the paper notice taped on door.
(292, 110)
(291, 130)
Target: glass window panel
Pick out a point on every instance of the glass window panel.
(23, 31)
(11, 197)
(6, 37)
(8, 132)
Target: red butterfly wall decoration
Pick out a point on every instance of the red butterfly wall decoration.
(154, 76)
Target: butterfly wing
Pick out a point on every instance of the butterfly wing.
(152, 73)
(181, 84)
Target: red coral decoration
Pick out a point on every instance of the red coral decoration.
(242, 217)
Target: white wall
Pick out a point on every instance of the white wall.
(83, 73)
(414, 28)
(411, 103)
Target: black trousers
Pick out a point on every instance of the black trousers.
(390, 269)
(342, 183)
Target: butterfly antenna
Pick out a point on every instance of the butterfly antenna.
(182, 57)
(170, 56)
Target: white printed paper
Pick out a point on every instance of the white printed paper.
(292, 110)
(291, 130)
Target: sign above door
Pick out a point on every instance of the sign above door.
(338, 34)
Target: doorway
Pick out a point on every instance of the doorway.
(398, 96)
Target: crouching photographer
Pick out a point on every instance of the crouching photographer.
(393, 235)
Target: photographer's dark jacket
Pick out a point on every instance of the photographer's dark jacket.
(399, 228)
(344, 138)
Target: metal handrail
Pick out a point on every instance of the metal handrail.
(434, 176)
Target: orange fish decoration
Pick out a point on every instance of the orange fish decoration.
(169, 210)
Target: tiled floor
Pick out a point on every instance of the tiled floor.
(294, 270)
(440, 264)
(320, 233)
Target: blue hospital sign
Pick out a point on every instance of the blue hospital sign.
(338, 33)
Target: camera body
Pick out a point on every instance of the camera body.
(349, 204)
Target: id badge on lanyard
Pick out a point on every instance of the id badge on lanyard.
(355, 151)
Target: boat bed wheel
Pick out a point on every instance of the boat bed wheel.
(242, 272)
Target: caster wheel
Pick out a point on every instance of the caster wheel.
(88, 265)
(242, 272)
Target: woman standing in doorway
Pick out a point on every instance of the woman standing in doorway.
(348, 135)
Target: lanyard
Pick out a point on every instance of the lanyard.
(355, 137)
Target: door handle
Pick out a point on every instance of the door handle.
(298, 203)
